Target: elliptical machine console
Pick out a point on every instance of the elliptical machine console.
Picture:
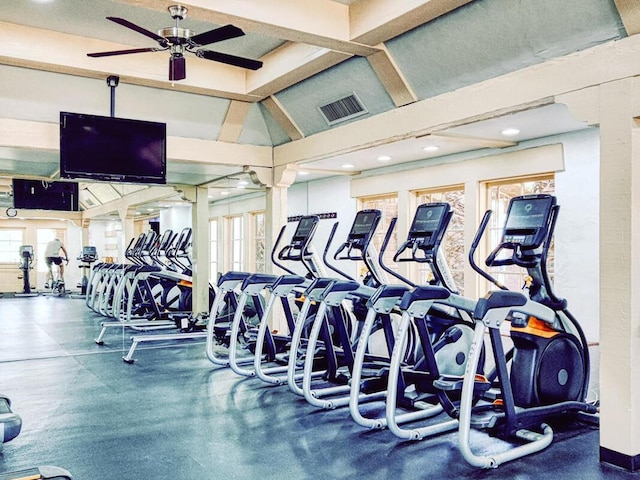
(426, 232)
(360, 235)
(298, 248)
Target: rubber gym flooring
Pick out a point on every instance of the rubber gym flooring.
(173, 415)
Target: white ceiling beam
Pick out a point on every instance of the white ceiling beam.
(46, 136)
(233, 121)
(376, 21)
(59, 52)
(475, 142)
(279, 113)
(288, 65)
(140, 197)
(630, 15)
(392, 77)
(314, 22)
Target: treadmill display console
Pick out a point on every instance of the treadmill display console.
(527, 220)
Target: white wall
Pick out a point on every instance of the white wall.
(577, 260)
(326, 196)
(175, 218)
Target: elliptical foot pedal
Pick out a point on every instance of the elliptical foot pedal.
(454, 384)
(45, 472)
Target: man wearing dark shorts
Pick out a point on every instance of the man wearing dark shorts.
(51, 256)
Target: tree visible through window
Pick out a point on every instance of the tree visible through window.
(453, 241)
(260, 240)
(499, 195)
(388, 205)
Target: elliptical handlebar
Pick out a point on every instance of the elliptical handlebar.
(383, 248)
(326, 251)
(273, 252)
(474, 247)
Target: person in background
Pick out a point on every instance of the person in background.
(52, 255)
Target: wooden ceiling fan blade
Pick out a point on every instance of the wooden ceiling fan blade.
(139, 29)
(230, 59)
(123, 52)
(217, 35)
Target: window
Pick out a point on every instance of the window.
(44, 236)
(213, 251)
(10, 242)
(388, 205)
(453, 241)
(498, 196)
(260, 242)
(236, 225)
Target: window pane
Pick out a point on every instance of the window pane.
(499, 195)
(453, 241)
(388, 205)
(10, 242)
(237, 243)
(213, 251)
(44, 236)
(259, 242)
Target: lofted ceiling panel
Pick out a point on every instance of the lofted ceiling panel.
(355, 75)
(40, 96)
(255, 131)
(276, 132)
(488, 38)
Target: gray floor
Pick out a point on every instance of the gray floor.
(173, 415)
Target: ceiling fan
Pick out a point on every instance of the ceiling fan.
(179, 40)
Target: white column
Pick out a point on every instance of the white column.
(620, 275)
(200, 251)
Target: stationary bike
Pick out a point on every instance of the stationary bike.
(57, 281)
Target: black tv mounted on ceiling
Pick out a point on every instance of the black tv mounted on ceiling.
(42, 195)
(112, 149)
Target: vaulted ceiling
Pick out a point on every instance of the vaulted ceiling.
(385, 54)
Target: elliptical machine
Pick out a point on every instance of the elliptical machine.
(549, 373)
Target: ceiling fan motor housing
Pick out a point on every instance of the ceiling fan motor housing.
(176, 35)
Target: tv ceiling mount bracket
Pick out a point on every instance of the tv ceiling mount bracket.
(112, 83)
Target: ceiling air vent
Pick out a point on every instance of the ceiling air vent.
(343, 109)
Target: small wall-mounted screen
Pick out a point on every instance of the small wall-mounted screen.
(42, 195)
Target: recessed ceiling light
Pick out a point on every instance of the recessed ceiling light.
(240, 186)
(510, 132)
(347, 165)
(431, 148)
(384, 158)
(243, 182)
(224, 192)
(303, 172)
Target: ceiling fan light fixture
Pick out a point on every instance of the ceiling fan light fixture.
(177, 67)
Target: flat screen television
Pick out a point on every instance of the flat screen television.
(112, 149)
(41, 195)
